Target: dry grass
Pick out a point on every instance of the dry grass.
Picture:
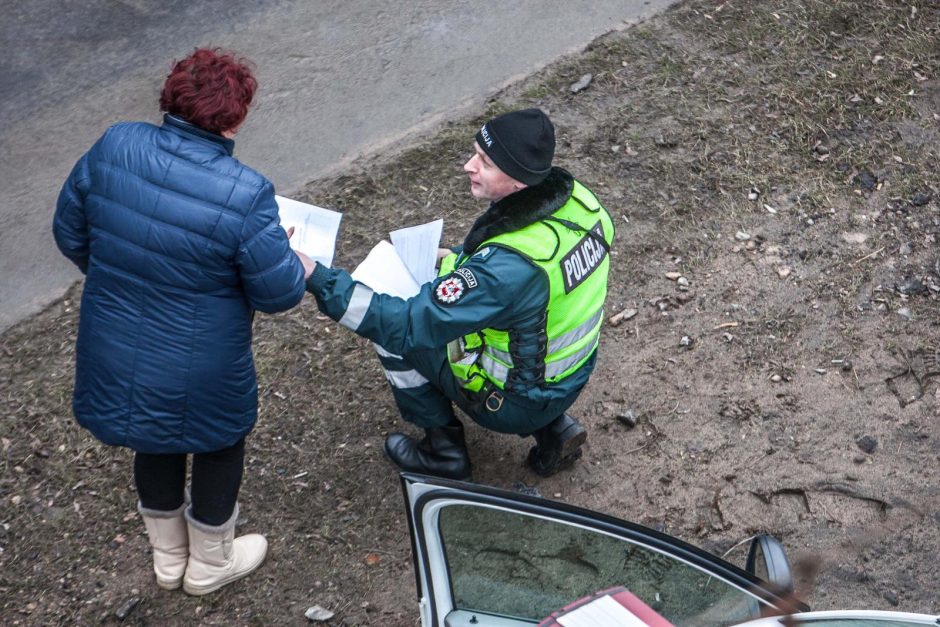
(802, 100)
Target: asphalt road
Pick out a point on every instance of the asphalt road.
(338, 79)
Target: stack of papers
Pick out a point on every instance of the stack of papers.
(401, 267)
(385, 272)
(398, 268)
(603, 612)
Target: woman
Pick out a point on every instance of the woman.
(180, 244)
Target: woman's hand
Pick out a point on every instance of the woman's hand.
(307, 262)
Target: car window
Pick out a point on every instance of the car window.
(522, 566)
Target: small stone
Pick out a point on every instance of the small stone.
(754, 194)
(617, 318)
(742, 236)
(776, 378)
(859, 459)
(735, 249)
(920, 199)
(855, 238)
(627, 418)
(522, 488)
(127, 607)
(673, 276)
(686, 341)
(783, 271)
(682, 281)
(905, 313)
(751, 245)
(318, 614)
(819, 370)
(867, 444)
(912, 287)
(905, 249)
(866, 180)
(581, 84)
(891, 597)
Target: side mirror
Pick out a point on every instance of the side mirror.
(767, 559)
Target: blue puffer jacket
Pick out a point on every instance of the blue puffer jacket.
(179, 243)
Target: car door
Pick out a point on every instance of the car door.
(848, 618)
(487, 557)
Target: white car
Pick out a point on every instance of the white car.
(842, 618)
(488, 557)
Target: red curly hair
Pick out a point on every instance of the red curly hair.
(211, 89)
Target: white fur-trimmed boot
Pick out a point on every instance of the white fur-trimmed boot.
(167, 533)
(217, 557)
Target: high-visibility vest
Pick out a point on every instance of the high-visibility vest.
(571, 247)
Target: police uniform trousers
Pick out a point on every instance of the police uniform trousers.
(425, 389)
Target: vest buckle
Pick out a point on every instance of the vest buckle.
(494, 402)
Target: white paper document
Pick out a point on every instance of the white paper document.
(601, 612)
(417, 247)
(315, 228)
(402, 267)
(385, 272)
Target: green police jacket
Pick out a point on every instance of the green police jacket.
(570, 247)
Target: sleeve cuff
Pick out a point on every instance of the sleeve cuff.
(318, 279)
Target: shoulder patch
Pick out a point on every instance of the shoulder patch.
(450, 290)
(484, 252)
(468, 276)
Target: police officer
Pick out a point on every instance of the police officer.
(509, 329)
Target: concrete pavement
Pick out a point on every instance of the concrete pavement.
(338, 79)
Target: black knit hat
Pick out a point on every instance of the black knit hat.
(520, 143)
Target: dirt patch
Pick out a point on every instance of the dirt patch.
(781, 156)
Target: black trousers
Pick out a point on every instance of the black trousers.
(216, 479)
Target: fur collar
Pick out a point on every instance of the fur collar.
(521, 209)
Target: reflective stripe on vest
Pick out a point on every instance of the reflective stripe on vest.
(500, 371)
(561, 342)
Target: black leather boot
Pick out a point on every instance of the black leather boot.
(442, 452)
(557, 446)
